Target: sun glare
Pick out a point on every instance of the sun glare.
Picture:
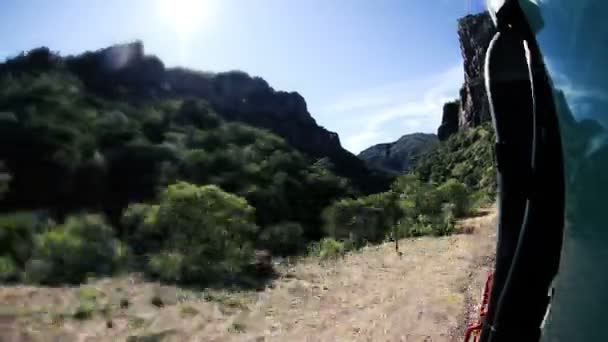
(187, 16)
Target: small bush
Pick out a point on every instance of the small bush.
(366, 219)
(68, 253)
(327, 248)
(423, 226)
(238, 327)
(456, 193)
(166, 266)
(448, 224)
(8, 270)
(87, 303)
(85, 310)
(17, 235)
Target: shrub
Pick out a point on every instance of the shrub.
(85, 309)
(456, 193)
(417, 197)
(447, 225)
(139, 223)
(166, 266)
(8, 269)
(366, 219)
(17, 235)
(212, 229)
(327, 248)
(283, 238)
(84, 245)
(423, 225)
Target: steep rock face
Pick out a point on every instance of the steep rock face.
(399, 156)
(449, 121)
(126, 72)
(475, 33)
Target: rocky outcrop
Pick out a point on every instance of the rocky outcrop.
(449, 121)
(475, 33)
(120, 70)
(399, 156)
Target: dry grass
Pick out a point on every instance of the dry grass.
(369, 295)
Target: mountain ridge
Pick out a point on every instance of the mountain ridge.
(401, 155)
(126, 72)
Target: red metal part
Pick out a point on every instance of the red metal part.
(474, 329)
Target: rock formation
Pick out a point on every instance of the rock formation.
(475, 33)
(449, 121)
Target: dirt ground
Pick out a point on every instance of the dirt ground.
(426, 294)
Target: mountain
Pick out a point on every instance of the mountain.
(125, 73)
(114, 129)
(399, 156)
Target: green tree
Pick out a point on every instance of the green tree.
(366, 219)
(210, 230)
(456, 193)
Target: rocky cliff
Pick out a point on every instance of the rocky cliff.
(399, 156)
(449, 120)
(475, 33)
(124, 72)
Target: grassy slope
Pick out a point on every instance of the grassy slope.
(373, 294)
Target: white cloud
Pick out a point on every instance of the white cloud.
(386, 112)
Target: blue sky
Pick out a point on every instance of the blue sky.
(371, 70)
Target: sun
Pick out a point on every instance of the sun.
(186, 16)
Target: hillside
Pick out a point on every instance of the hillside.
(400, 156)
(467, 156)
(125, 74)
(426, 294)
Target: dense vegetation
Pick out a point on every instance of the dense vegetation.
(93, 183)
(67, 150)
(466, 156)
(455, 176)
